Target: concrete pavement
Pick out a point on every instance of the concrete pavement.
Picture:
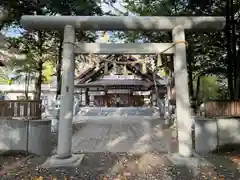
(130, 137)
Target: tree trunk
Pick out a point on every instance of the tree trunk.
(237, 85)
(198, 90)
(38, 82)
(233, 48)
(190, 74)
(229, 52)
(59, 65)
(27, 79)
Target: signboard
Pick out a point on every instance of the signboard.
(118, 91)
(122, 77)
(96, 93)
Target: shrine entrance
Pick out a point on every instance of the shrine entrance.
(106, 81)
(177, 48)
(119, 100)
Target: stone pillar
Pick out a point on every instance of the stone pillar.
(64, 158)
(67, 90)
(184, 119)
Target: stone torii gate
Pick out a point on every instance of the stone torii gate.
(177, 25)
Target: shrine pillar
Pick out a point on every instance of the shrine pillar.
(87, 96)
(184, 119)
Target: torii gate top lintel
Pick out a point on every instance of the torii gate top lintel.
(124, 23)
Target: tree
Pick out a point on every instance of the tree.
(231, 9)
(36, 55)
(48, 70)
(206, 52)
(209, 88)
(37, 39)
(6, 54)
(4, 75)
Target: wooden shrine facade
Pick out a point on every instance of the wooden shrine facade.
(95, 88)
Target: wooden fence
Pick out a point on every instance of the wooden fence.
(27, 109)
(222, 108)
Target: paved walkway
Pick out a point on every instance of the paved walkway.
(132, 138)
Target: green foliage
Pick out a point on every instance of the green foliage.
(48, 70)
(26, 44)
(206, 52)
(3, 76)
(15, 9)
(209, 88)
(43, 48)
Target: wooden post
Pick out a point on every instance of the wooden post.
(105, 97)
(87, 96)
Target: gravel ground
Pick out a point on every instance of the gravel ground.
(231, 152)
(11, 161)
(97, 165)
(148, 166)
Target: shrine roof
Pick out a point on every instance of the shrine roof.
(116, 82)
(92, 74)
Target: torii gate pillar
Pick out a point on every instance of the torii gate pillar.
(184, 119)
(64, 157)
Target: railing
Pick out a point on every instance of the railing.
(222, 108)
(23, 109)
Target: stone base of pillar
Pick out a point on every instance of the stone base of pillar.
(54, 162)
(191, 163)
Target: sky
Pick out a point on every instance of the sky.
(14, 32)
(107, 8)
